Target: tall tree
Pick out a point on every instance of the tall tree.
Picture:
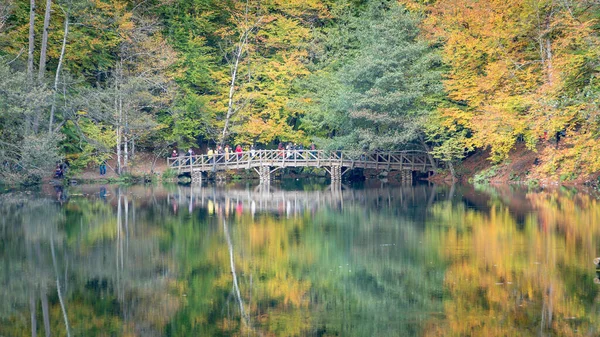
(31, 48)
(386, 86)
(44, 45)
(518, 68)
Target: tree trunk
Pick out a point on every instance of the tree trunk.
(230, 109)
(549, 67)
(125, 144)
(452, 171)
(125, 153)
(118, 111)
(239, 53)
(428, 151)
(31, 41)
(58, 68)
(44, 46)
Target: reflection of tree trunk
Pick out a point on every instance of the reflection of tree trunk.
(118, 243)
(126, 203)
(45, 313)
(32, 300)
(60, 299)
(431, 197)
(32, 309)
(43, 294)
(451, 193)
(235, 282)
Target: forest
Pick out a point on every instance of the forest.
(91, 80)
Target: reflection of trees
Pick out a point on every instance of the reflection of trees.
(512, 274)
(87, 266)
(358, 263)
(288, 269)
(383, 278)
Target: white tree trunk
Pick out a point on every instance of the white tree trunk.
(125, 153)
(58, 68)
(241, 45)
(230, 108)
(31, 40)
(118, 110)
(452, 171)
(44, 46)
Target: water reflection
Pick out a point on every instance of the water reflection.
(181, 261)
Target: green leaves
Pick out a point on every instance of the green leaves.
(382, 87)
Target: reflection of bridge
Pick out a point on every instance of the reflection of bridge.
(336, 163)
(267, 199)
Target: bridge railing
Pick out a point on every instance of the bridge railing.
(248, 159)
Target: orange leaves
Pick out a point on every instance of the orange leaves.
(517, 64)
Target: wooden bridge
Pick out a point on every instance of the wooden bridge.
(336, 163)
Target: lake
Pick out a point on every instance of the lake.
(298, 259)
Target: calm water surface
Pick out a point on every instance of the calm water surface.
(299, 260)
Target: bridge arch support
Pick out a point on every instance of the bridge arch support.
(264, 174)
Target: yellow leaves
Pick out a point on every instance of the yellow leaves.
(124, 23)
(454, 116)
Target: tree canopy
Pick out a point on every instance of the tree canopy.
(93, 80)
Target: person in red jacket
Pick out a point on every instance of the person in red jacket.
(238, 150)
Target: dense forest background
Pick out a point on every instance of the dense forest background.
(89, 80)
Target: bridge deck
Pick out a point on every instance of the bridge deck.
(407, 160)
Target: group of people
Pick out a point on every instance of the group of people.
(291, 150)
(60, 170)
(227, 152)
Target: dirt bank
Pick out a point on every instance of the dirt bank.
(521, 167)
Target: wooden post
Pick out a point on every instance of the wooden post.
(336, 173)
(197, 177)
(265, 174)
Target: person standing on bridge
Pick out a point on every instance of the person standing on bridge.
(174, 156)
(227, 150)
(238, 150)
(210, 153)
(219, 153)
(252, 150)
(190, 155)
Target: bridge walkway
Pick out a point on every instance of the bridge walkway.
(336, 163)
